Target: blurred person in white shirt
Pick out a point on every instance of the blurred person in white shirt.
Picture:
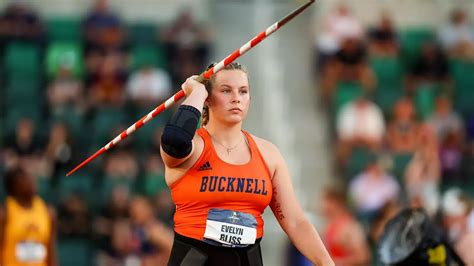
(372, 189)
(359, 124)
(337, 27)
(457, 37)
(149, 85)
(457, 208)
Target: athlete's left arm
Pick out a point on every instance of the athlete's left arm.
(291, 217)
(52, 259)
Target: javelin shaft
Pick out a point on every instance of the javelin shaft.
(204, 76)
(257, 39)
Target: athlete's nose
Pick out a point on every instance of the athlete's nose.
(235, 98)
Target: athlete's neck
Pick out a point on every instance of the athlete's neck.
(24, 201)
(225, 134)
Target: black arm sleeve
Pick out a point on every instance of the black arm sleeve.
(178, 133)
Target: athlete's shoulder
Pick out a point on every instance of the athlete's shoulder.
(264, 144)
(270, 153)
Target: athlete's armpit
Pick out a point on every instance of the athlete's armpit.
(276, 206)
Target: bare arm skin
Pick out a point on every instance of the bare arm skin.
(288, 211)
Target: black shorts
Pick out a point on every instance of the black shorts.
(191, 252)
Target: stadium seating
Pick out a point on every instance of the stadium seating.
(142, 33)
(462, 72)
(147, 55)
(64, 29)
(22, 60)
(389, 72)
(345, 93)
(74, 252)
(412, 41)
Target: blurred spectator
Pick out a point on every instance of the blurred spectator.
(383, 38)
(348, 64)
(59, 149)
(343, 236)
(337, 27)
(154, 175)
(122, 247)
(20, 22)
(383, 216)
(359, 124)
(144, 240)
(372, 189)
(107, 86)
(25, 141)
(115, 210)
(24, 149)
(431, 67)
(456, 210)
(422, 174)
(27, 223)
(164, 207)
(445, 120)
(121, 165)
(102, 28)
(449, 129)
(73, 217)
(65, 91)
(403, 129)
(187, 44)
(457, 37)
(154, 238)
(149, 86)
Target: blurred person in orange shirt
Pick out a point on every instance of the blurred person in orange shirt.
(344, 236)
(27, 225)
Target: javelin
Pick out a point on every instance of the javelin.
(204, 76)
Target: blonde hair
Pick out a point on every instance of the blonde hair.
(210, 83)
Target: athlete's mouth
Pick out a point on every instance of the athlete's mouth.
(235, 109)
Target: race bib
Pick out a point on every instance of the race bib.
(30, 252)
(229, 228)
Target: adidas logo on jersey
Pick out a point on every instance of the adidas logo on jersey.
(205, 166)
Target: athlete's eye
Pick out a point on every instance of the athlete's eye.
(243, 91)
(226, 90)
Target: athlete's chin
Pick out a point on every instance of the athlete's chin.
(235, 119)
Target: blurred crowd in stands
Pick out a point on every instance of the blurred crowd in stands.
(401, 107)
(68, 86)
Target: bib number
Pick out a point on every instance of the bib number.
(30, 252)
(228, 228)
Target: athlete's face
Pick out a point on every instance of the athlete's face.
(230, 97)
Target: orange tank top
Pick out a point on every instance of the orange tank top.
(212, 183)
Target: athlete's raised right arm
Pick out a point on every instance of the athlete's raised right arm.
(177, 143)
